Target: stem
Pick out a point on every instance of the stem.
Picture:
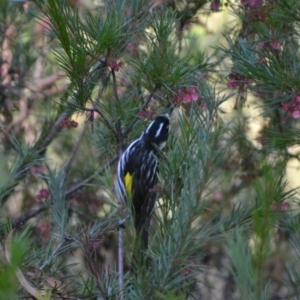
(115, 85)
(54, 252)
(142, 108)
(53, 130)
(119, 127)
(28, 215)
(102, 116)
(121, 263)
(91, 178)
(74, 151)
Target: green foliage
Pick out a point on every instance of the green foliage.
(17, 252)
(162, 46)
(80, 82)
(56, 184)
(280, 141)
(242, 268)
(23, 157)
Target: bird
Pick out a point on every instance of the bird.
(137, 174)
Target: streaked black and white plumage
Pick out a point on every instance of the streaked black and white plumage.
(137, 174)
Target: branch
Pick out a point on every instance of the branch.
(41, 84)
(115, 84)
(119, 127)
(51, 257)
(121, 263)
(92, 266)
(23, 114)
(142, 108)
(91, 178)
(28, 215)
(49, 92)
(102, 116)
(54, 130)
(74, 151)
(7, 53)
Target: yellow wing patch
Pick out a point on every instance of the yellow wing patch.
(128, 184)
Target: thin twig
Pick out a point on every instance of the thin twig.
(121, 244)
(91, 178)
(119, 127)
(65, 297)
(142, 108)
(95, 109)
(74, 151)
(121, 264)
(54, 130)
(120, 232)
(121, 250)
(121, 253)
(115, 85)
(28, 215)
(92, 265)
(23, 114)
(51, 257)
(121, 222)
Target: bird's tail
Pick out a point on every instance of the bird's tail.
(141, 242)
(142, 226)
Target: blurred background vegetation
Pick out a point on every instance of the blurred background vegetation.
(80, 79)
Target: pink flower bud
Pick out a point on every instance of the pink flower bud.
(232, 83)
(275, 45)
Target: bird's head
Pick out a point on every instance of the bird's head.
(158, 131)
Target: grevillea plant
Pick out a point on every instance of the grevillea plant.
(81, 79)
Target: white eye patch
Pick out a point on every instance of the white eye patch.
(159, 129)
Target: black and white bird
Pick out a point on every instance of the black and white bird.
(137, 174)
